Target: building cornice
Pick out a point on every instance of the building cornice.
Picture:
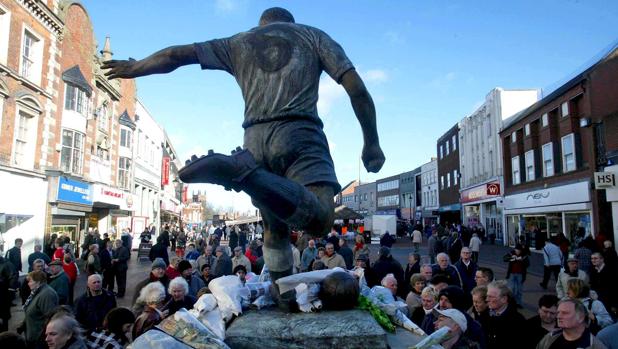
(40, 11)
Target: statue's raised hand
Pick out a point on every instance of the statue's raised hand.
(373, 157)
(123, 69)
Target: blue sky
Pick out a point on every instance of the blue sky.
(427, 65)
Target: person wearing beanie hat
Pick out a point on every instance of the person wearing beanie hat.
(452, 297)
(158, 263)
(157, 273)
(195, 282)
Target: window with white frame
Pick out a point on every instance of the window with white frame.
(72, 154)
(124, 172)
(76, 99)
(515, 170)
(441, 151)
(529, 159)
(568, 153)
(548, 160)
(527, 129)
(31, 60)
(390, 200)
(103, 118)
(447, 147)
(125, 137)
(545, 120)
(5, 26)
(394, 184)
(454, 142)
(514, 137)
(441, 182)
(448, 180)
(564, 107)
(455, 179)
(25, 138)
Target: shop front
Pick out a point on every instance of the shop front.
(482, 209)
(549, 212)
(450, 214)
(69, 202)
(170, 211)
(22, 210)
(112, 210)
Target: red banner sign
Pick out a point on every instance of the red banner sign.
(165, 171)
(482, 192)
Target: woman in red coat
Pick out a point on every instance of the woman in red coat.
(70, 268)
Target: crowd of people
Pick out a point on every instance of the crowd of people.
(444, 288)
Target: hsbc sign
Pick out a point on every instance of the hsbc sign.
(486, 191)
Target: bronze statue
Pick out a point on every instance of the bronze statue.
(285, 165)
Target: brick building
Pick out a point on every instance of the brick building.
(448, 176)
(551, 151)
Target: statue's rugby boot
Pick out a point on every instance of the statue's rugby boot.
(215, 168)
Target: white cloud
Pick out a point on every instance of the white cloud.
(330, 93)
(444, 81)
(375, 76)
(228, 6)
(222, 199)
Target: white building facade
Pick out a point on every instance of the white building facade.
(147, 176)
(429, 200)
(480, 158)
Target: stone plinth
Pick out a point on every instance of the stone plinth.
(328, 329)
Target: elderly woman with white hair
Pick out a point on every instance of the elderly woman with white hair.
(63, 332)
(152, 297)
(179, 290)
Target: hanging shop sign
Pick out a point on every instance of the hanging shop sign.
(165, 171)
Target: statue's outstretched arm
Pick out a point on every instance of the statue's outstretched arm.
(373, 157)
(160, 62)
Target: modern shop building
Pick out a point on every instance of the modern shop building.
(551, 153)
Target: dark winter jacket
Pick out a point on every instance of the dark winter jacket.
(186, 303)
(164, 280)
(91, 310)
(60, 283)
(467, 273)
(388, 265)
(159, 250)
(451, 273)
(501, 331)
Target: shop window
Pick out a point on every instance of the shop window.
(31, 61)
(565, 109)
(529, 158)
(72, 154)
(578, 225)
(76, 99)
(515, 170)
(568, 153)
(125, 137)
(548, 160)
(9, 221)
(124, 172)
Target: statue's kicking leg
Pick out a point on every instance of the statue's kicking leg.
(285, 203)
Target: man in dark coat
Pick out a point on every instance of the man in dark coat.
(223, 266)
(346, 253)
(506, 326)
(13, 255)
(94, 304)
(445, 268)
(387, 240)
(233, 242)
(37, 254)
(6, 275)
(467, 270)
(165, 236)
(120, 257)
(59, 281)
(105, 257)
(159, 250)
(386, 264)
(157, 274)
